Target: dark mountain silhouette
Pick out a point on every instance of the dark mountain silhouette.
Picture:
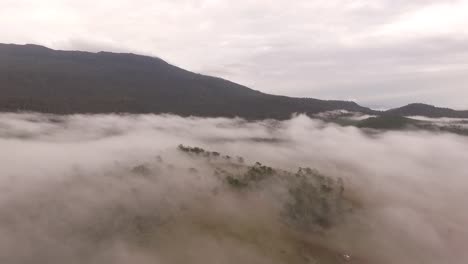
(35, 78)
(426, 110)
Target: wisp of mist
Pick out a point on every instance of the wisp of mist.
(117, 189)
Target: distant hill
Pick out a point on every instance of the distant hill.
(426, 110)
(35, 78)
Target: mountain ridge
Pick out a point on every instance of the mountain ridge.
(37, 78)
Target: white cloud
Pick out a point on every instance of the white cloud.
(439, 19)
(68, 193)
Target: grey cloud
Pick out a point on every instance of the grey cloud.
(420, 67)
(301, 48)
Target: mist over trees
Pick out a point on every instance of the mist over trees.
(219, 190)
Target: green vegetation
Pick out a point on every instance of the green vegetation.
(390, 122)
(394, 122)
(317, 201)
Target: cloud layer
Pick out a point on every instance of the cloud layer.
(73, 190)
(381, 53)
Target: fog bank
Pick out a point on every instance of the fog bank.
(116, 189)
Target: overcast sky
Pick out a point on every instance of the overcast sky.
(380, 53)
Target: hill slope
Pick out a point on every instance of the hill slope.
(388, 122)
(426, 110)
(35, 78)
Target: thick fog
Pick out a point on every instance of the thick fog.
(116, 189)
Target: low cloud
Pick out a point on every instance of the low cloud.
(115, 188)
